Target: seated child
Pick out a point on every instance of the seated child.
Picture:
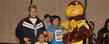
(41, 39)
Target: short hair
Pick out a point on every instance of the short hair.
(54, 17)
(47, 16)
(32, 6)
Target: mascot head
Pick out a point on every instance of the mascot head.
(75, 10)
(77, 27)
(75, 13)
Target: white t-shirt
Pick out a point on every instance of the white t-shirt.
(33, 20)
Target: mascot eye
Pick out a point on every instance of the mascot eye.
(76, 11)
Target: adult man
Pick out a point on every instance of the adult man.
(28, 28)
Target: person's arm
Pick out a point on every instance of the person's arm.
(50, 33)
(44, 29)
(18, 31)
(26, 40)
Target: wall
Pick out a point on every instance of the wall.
(11, 11)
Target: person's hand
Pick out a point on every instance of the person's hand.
(45, 32)
(27, 40)
(65, 31)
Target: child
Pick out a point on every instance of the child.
(41, 39)
(54, 31)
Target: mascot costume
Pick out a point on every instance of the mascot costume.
(77, 27)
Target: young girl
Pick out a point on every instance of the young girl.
(54, 31)
(41, 39)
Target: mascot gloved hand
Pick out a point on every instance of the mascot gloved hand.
(78, 28)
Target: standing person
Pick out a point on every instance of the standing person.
(92, 38)
(46, 20)
(103, 34)
(28, 28)
(55, 31)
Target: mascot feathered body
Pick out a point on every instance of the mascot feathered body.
(78, 28)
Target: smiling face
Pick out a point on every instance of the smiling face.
(41, 38)
(55, 22)
(33, 13)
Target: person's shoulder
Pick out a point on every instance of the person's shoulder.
(49, 27)
(102, 29)
(37, 43)
(22, 20)
(59, 27)
(39, 19)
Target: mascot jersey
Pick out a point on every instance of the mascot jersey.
(57, 35)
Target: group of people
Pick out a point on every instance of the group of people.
(32, 30)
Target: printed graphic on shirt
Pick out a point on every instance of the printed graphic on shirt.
(58, 35)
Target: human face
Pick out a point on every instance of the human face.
(33, 13)
(55, 22)
(41, 38)
(48, 19)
